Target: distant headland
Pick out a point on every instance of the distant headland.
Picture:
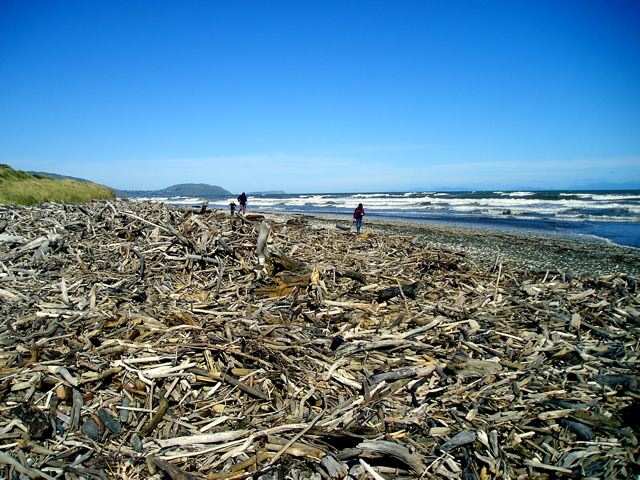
(179, 190)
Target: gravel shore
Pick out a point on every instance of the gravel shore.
(525, 250)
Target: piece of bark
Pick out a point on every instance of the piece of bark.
(409, 291)
(461, 438)
(36, 421)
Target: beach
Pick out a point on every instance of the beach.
(585, 256)
(612, 216)
(150, 340)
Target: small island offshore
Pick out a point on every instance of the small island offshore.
(143, 340)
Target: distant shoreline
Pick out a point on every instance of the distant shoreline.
(614, 216)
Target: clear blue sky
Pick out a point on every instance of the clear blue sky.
(317, 96)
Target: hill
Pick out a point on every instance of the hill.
(18, 187)
(269, 192)
(194, 189)
(611, 186)
(179, 190)
(56, 176)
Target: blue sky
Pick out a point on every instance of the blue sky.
(323, 96)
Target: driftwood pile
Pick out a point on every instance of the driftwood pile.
(143, 341)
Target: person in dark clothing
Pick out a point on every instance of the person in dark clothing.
(242, 200)
(358, 213)
(232, 207)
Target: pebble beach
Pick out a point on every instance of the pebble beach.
(582, 256)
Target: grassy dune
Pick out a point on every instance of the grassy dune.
(17, 187)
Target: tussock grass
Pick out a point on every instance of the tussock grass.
(17, 187)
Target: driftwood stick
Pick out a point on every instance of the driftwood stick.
(495, 292)
(371, 471)
(220, 348)
(405, 372)
(29, 472)
(142, 263)
(203, 439)
(101, 375)
(223, 377)
(201, 258)
(221, 266)
(238, 470)
(168, 229)
(356, 305)
(298, 435)
(156, 419)
(174, 472)
(143, 220)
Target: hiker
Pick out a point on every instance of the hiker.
(232, 207)
(358, 213)
(203, 208)
(242, 200)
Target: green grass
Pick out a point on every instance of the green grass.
(17, 187)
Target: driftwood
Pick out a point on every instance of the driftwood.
(143, 341)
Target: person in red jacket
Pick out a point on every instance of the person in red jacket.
(358, 213)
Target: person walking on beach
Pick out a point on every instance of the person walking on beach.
(358, 213)
(242, 200)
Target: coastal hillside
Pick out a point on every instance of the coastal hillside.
(22, 188)
(179, 190)
(56, 176)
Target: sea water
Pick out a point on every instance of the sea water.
(610, 215)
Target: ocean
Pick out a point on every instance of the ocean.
(610, 215)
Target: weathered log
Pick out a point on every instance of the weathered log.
(383, 448)
(261, 243)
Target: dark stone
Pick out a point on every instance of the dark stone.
(336, 342)
(91, 429)
(109, 421)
